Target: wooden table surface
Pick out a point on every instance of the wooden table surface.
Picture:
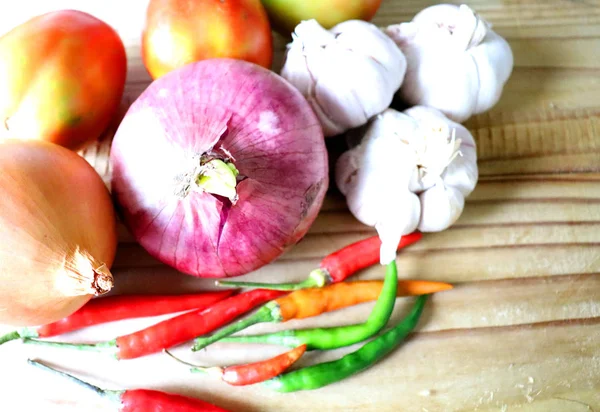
(521, 329)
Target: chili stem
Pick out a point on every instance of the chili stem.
(316, 279)
(267, 313)
(104, 393)
(106, 347)
(215, 371)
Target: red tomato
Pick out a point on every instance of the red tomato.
(62, 76)
(178, 32)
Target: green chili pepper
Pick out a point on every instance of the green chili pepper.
(338, 336)
(322, 374)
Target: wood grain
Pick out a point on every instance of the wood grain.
(521, 329)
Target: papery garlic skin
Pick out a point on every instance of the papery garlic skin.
(348, 74)
(456, 62)
(412, 170)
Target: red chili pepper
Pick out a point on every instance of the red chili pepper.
(145, 400)
(250, 373)
(176, 330)
(359, 255)
(141, 400)
(114, 308)
(335, 267)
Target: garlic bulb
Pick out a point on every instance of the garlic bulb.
(348, 74)
(412, 170)
(456, 62)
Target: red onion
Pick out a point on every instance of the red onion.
(178, 150)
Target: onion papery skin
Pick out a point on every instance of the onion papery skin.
(246, 113)
(57, 226)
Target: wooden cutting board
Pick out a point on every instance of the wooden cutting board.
(521, 330)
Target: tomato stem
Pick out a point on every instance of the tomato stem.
(104, 393)
(316, 279)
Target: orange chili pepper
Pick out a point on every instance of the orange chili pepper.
(305, 303)
(250, 373)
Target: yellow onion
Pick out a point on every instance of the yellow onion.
(57, 233)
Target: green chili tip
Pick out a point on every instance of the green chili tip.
(109, 346)
(323, 374)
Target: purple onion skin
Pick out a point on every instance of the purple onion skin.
(275, 141)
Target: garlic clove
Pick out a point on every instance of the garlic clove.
(324, 65)
(425, 115)
(441, 206)
(439, 12)
(436, 75)
(456, 62)
(367, 39)
(346, 169)
(460, 25)
(348, 107)
(452, 165)
(442, 81)
(383, 140)
(384, 146)
(295, 69)
(462, 173)
(391, 209)
(402, 34)
(443, 148)
(495, 61)
(470, 29)
(312, 34)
